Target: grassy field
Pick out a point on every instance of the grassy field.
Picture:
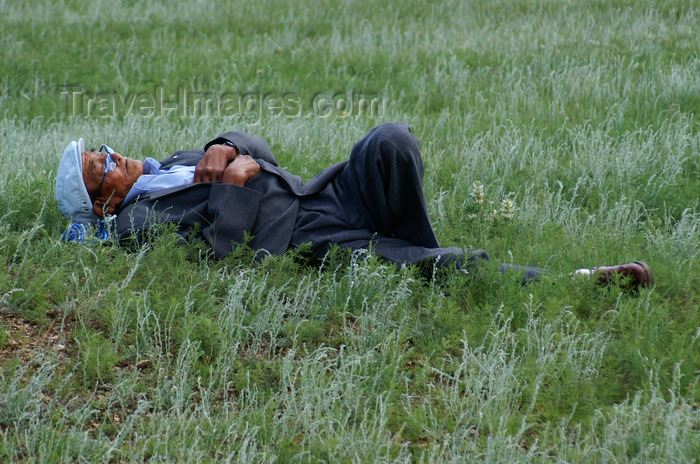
(562, 134)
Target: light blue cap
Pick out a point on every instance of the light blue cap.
(71, 193)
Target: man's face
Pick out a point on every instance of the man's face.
(116, 184)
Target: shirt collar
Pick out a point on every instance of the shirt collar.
(151, 166)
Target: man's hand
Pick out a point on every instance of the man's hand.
(214, 162)
(241, 170)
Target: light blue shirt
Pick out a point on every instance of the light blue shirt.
(154, 178)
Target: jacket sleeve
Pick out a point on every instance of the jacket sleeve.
(220, 214)
(246, 145)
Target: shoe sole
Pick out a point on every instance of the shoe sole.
(647, 273)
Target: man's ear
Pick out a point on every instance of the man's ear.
(100, 208)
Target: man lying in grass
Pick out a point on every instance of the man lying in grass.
(234, 188)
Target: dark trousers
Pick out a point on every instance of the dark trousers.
(385, 177)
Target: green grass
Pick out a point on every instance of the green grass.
(584, 115)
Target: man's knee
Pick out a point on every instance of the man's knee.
(398, 134)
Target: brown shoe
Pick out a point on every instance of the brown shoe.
(631, 276)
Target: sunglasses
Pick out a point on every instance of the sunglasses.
(110, 165)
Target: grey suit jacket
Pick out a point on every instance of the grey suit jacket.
(222, 214)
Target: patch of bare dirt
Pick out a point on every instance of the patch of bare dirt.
(25, 338)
